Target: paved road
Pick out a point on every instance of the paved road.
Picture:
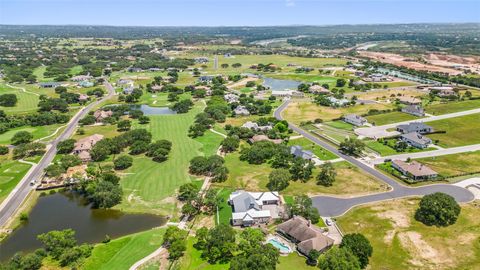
(333, 206)
(23, 188)
(380, 131)
(434, 153)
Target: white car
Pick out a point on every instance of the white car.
(329, 222)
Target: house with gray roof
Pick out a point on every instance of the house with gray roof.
(297, 151)
(49, 84)
(355, 120)
(206, 79)
(419, 127)
(252, 208)
(416, 139)
(241, 110)
(414, 110)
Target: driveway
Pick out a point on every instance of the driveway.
(334, 206)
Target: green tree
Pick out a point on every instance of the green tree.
(327, 175)
(230, 144)
(338, 259)
(301, 169)
(144, 119)
(56, 242)
(220, 244)
(139, 147)
(54, 170)
(303, 206)
(22, 137)
(352, 146)
(188, 192)
(278, 180)
(359, 245)
(65, 146)
(124, 125)
(3, 150)
(438, 209)
(87, 120)
(341, 82)
(312, 258)
(106, 195)
(123, 162)
(8, 100)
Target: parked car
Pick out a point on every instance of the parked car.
(329, 222)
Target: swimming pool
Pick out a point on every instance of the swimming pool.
(280, 246)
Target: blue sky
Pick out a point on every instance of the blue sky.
(236, 12)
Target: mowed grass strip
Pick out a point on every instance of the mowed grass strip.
(390, 118)
(463, 130)
(37, 132)
(400, 242)
(11, 172)
(451, 107)
(26, 102)
(123, 252)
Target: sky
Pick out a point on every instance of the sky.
(236, 12)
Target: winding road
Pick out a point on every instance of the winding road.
(23, 188)
(333, 206)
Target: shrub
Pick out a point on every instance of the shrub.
(438, 209)
(123, 162)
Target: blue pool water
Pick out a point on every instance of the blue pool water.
(283, 248)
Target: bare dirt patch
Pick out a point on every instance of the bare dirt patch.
(399, 218)
(422, 253)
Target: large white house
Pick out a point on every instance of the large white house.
(251, 208)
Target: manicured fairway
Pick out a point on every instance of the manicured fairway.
(463, 130)
(400, 242)
(26, 102)
(451, 107)
(123, 252)
(389, 118)
(37, 132)
(210, 142)
(11, 172)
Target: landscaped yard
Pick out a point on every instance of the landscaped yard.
(301, 111)
(386, 150)
(463, 130)
(224, 213)
(456, 164)
(11, 172)
(451, 107)
(192, 259)
(340, 125)
(400, 242)
(389, 118)
(320, 152)
(123, 252)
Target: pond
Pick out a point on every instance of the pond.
(68, 210)
(279, 85)
(148, 110)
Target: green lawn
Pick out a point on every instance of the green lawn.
(160, 99)
(389, 118)
(11, 172)
(192, 259)
(319, 151)
(450, 165)
(123, 252)
(400, 242)
(26, 102)
(293, 261)
(224, 210)
(451, 107)
(386, 150)
(463, 130)
(76, 70)
(149, 182)
(340, 125)
(210, 141)
(37, 132)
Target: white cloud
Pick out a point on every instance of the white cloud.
(290, 3)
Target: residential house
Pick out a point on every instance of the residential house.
(377, 77)
(443, 91)
(231, 98)
(317, 89)
(287, 93)
(305, 235)
(338, 102)
(83, 146)
(297, 151)
(49, 84)
(83, 98)
(134, 69)
(206, 78)
(201, 60)
(253, 208)
(80, 78)
(258, 138)
(241, 110)
(414, 110)
(415, 127)
(128, 90)
(101, 115)
(255, 126)
(85, 84)
(416, 139)
(355, 120)
(414, 170)
(154, 69)
(409, 100)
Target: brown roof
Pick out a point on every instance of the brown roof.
(101, 114)
(85, 144)
(84, 155)
(258, 138)
(309, 236)
(415, 168)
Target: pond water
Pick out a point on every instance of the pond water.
(68, 210)
(148, 110)
(277, 84)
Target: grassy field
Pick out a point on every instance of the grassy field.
(463, 130)
(320, 152)
(386, 150)
(389, 118)
(160, 99)
(11, 172)
(192, 259)
(26, 102)
(400, 242)
(349, 180)
(456, 164)
(37, 132)
(293, 261)
(300, 111)
(452, 107)
(210, 143)
(123, 252)
(340, 125)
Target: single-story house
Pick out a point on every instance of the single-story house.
(305, 235)
(83, 97)
(201, 60)
(134, 69)
(443, 91)
(251, 208)
(297, 151)
(355, 120)
(317, 89)
(83, 146)
(414, 170)
(287, 93)
(255, 126)
(258, 138)
(128, 90)
(124, 82)
(49, 84)
(414, 110)
(85, 84)
(80, 78)
(231, 98)
(100, 115)
(338, 102)
(416, 139)
(241, 110)
(409, 100)
(419, 127)
(206, 79)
